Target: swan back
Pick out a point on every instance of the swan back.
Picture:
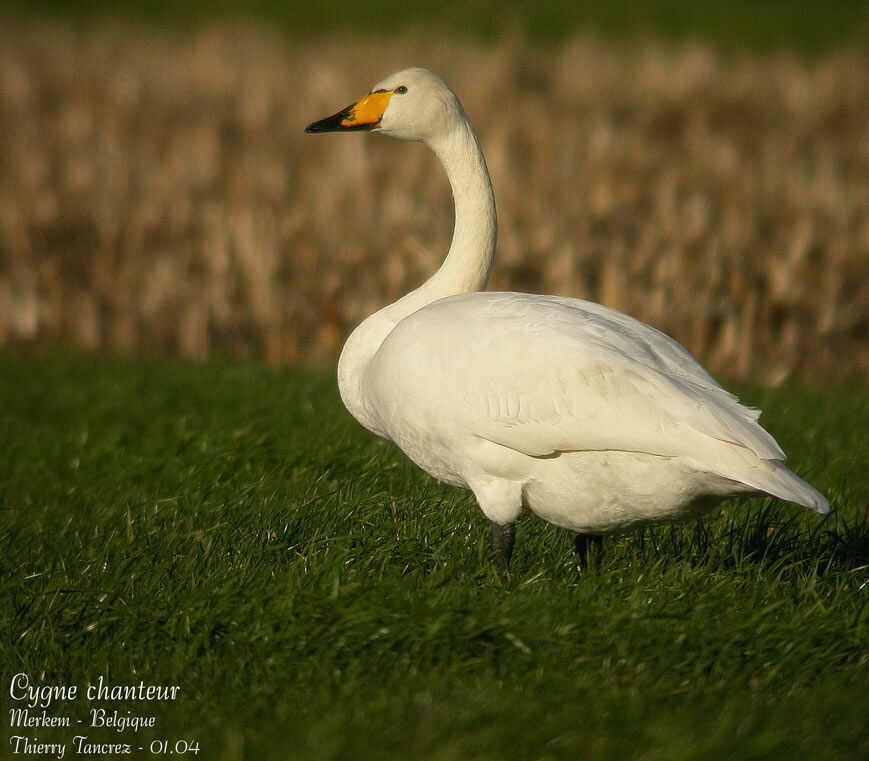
(564, 375)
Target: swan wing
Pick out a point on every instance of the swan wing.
(542, 374)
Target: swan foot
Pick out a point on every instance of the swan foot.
(502, 545)
(588, 548)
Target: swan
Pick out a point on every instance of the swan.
(590, 419)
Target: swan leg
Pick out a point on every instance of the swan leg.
(588, 546)
(502, 545)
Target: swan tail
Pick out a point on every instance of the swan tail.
(768, 476)
(785, 484)
(773, 478)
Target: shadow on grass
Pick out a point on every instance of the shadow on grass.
(766, 538)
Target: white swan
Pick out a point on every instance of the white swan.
(592, 420)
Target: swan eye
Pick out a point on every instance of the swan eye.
(400, 90)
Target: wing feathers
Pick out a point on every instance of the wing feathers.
(545, 374)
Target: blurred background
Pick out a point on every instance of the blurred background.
(702, 166)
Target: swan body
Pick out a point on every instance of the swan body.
(591, 419)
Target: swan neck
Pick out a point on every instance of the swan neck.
(468, 263)
(464, 270)
(472, 250)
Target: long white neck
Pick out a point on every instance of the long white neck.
(465, 269)
(469, 261)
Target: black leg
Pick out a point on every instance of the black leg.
(588, 546)
(502, 545)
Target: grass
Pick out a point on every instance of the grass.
(227, 527)
(810, 28)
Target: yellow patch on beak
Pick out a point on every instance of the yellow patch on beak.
(367, 111)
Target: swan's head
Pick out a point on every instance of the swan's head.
(413, 104)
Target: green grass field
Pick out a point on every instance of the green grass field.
(808, 27)
(228, 528)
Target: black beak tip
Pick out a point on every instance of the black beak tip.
(330, 123)
(343, 121)
(321, 126)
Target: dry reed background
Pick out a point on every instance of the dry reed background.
(157, 192)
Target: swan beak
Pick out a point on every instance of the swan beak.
(364, 114)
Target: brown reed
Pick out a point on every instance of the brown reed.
(157, 192)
